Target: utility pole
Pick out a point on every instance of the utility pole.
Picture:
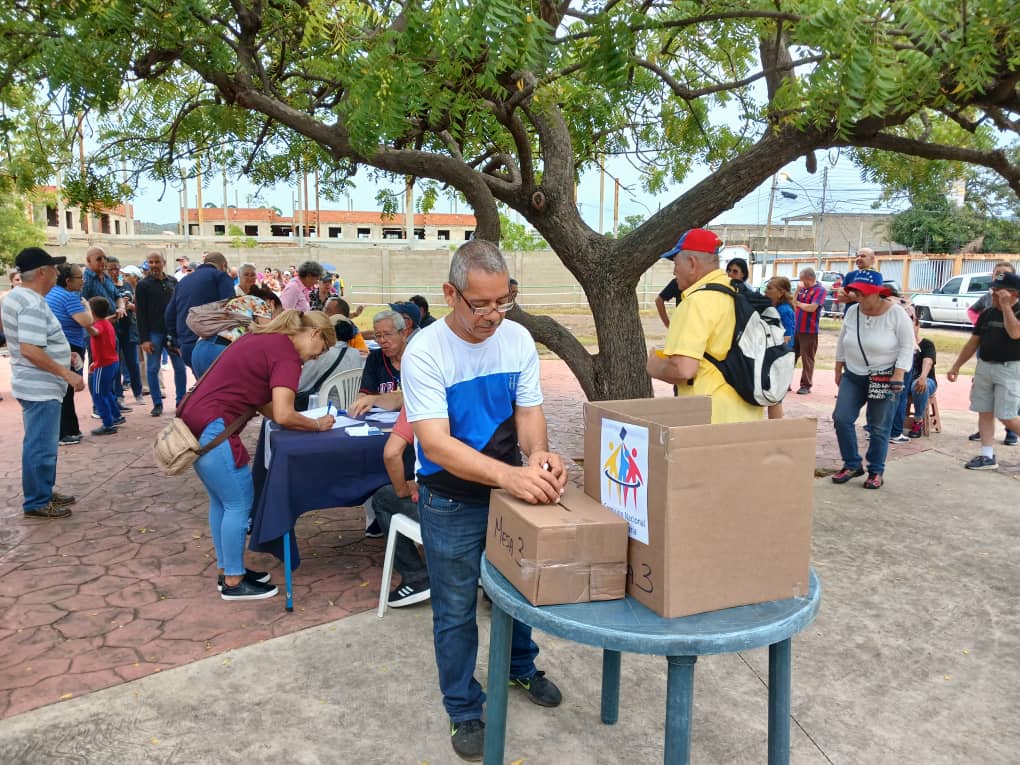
(304, 215)
(86, 216)
(184, 210)
(602, 195)
(318, 212)
(768, 220)
(226, 205)
(819, 239)
(409, 209)
(299, 217)
(616, 208)
(198, 191)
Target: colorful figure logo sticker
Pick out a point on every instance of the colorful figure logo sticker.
(623, 474)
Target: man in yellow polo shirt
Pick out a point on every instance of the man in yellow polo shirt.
(702, 323)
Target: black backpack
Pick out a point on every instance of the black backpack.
(759, 365)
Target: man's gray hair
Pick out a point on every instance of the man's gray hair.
(476, 255)
(310, 268)
(243, 266)
(809, 273)
(400, 321)
(30, 276)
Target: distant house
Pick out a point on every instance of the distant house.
(348, 226)
(69, 223)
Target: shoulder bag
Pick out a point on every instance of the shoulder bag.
(176, 448)
(879, 383)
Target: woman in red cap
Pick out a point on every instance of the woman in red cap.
(873, 353)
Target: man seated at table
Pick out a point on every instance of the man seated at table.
(380, 384)
(401, 496)
(339, 358)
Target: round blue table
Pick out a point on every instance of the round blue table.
(626, 625)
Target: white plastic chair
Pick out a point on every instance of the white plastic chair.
(399, 524)
(341, 388)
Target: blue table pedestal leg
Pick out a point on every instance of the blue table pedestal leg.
(610, 686)
(779, 703)
(679, 703)
(288, 584)
(499, 674)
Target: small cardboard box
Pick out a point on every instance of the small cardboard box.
(719, 515)
(570, 552)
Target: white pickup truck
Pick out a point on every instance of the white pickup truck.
(949, 303)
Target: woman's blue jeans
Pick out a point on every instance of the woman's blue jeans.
(231, 493)
(453, 535)
(852, 397)
(204, 354)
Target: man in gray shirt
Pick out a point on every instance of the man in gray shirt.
(40, 374)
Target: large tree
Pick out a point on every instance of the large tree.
(508, 101)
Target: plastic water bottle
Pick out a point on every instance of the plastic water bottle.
(313, 401)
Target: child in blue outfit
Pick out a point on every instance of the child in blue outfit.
(780, 292)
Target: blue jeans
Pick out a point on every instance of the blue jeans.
(406, 559)
(41, 421)
(152, 368)
(852, 396)
(129, 366)
(204, 354)
(921, 399)
(902, 402)
(102, 383)
(453, 534)
(231, 494)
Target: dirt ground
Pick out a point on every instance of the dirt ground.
(946, 340)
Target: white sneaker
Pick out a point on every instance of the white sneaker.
(900, 439)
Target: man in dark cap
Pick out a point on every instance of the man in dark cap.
(40, 374)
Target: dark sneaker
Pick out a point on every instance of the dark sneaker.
(803, 391)
(139, 399)
(1010, 439)
(408, 594)
(259, 577)
(70, 440)
(157, 410)
(61, 500)
(374, 531)
(982, 463)
(468, 739)
(48, 511)
(540, 691)
(874, 481)
(248, 591)
(105, 431)
(846, 474)
(917, 431)
(900, 439)
(974, 437)
(120, 421)
(123, 407)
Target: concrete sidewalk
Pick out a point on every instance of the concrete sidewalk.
(913, 659)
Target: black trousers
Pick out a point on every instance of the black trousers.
(68, 417)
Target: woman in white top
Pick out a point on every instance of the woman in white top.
(873, 353)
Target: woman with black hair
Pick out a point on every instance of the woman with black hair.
(76, 319)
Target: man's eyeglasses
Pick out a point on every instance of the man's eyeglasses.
(486, 309)
(386, 335)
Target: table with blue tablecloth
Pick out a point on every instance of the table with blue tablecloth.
(308, 471)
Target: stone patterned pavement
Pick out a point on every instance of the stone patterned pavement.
(126, 586)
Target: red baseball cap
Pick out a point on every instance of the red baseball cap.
(695, 240)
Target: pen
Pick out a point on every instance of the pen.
(329, 406)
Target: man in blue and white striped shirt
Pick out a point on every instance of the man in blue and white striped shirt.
(40, 374)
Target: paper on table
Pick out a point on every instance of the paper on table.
(384, 416)
(364, 429)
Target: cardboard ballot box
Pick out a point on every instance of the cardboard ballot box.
(719, 515)
(570, 552)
